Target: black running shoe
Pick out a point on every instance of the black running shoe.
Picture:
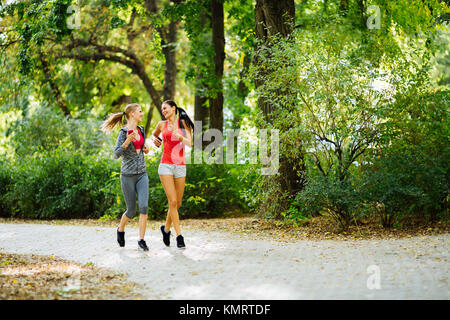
(166, 236)
(180, 242)
(142, 245)
(121, 237)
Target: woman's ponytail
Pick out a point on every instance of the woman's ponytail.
(182, 114)
(110, 123)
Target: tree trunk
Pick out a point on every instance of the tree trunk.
(218, 40)
(343, 7)
(362, 10)
(201, 111)
(242, 87)
(55, 90)
(272, 17)
(149, 120)
(168, 36)
(170, 68)
(277, 17)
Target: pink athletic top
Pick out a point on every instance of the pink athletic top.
(173, 148)
(138, 144)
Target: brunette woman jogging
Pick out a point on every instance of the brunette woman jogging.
(177, 132)
(133, 179)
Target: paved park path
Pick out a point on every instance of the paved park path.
(223, 265)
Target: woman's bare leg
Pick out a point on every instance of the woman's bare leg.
(123, 222)
(179, 186)
(171, 193)
(142, 225)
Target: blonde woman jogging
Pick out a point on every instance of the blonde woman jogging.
(130, 145)
(177, 132)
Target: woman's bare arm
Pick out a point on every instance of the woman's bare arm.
(156, 133)
(188, 139)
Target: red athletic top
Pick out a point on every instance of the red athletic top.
(138, 144)
(173, 148)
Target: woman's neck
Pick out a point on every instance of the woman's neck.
(172, 119)
(132, 124)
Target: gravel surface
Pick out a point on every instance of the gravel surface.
(224, 265)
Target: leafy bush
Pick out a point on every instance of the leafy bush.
(6, 182)
(408, 173)
(209, 190)
(44, 130)
(357, 130)
(339, 198)
(63, 185)
(324, 105)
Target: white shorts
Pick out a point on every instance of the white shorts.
(176, 170)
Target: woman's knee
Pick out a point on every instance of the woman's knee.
(178, 204)
(143, 210)
(173, 203)
(130, 213)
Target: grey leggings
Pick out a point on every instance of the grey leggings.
(132, 185)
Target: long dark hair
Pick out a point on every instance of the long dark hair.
(182, 115)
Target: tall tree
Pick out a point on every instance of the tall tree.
(218, 40)
(168, 35)
(275, 18)
(94, 42)
(49, 78)
(272, 17)
(204, 27)
(201, 110)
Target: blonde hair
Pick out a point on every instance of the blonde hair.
(110, 123)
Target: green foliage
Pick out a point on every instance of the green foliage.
(6, 180)
(362, 114)
(35, 21)
(34, 31)
(210, 190)
(239, 30)
(409, 172)
(59, 185)
(362, 127)
(339, 198)
(45, 130)
(64, 183)
(196, 18)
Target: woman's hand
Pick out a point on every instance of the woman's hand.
(146, 149)
(156, 141)
(133, 135)
(179, 136)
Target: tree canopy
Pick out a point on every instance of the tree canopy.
(358, 89)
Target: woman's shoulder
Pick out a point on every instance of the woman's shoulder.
(123, 130)
(122, 134)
